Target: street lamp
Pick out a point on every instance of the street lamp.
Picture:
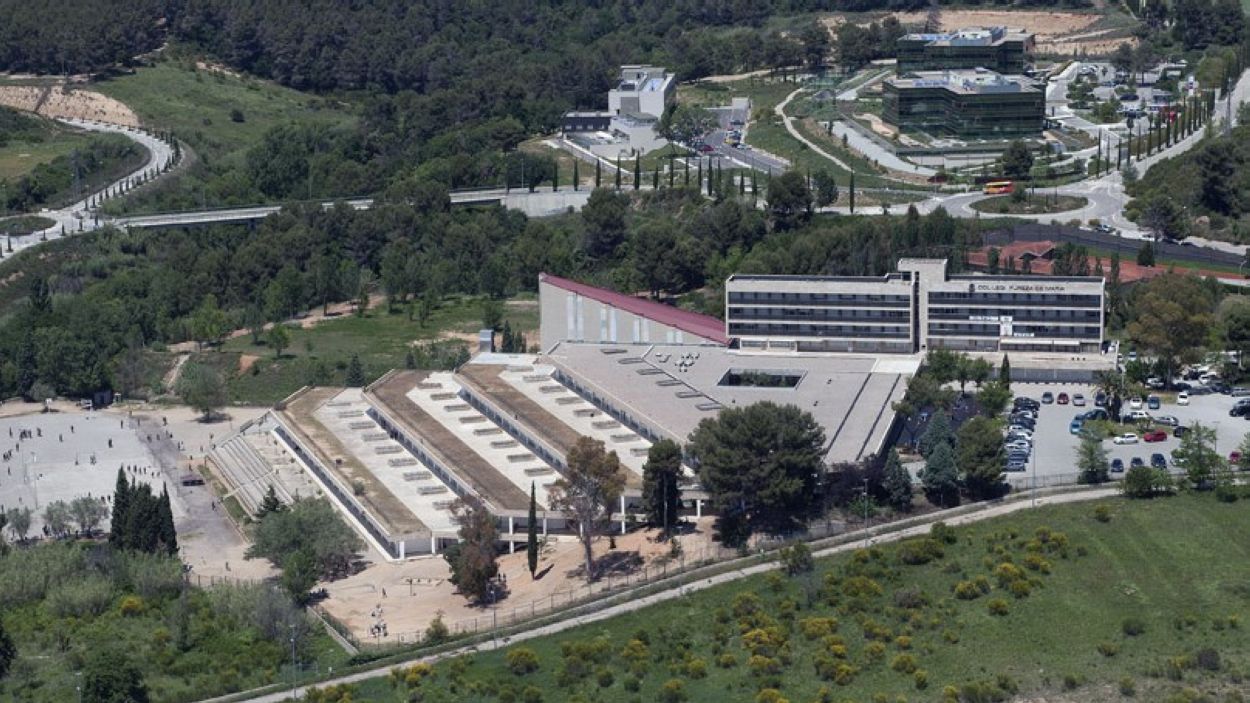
(865, 513)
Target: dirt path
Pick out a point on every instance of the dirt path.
(921, 527)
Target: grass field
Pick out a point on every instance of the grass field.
(1040, 204)
(19, 157)
(1153, 600)
(197, 103)
(320, 354)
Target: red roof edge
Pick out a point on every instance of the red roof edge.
(704, 326)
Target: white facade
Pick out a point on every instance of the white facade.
(643, 90)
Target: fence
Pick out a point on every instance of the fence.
(1034, 232)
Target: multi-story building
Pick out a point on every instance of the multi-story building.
(643, 90)
(635, 107)
(920, 307)
(976, 103)
(996, 48)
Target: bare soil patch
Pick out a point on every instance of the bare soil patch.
(73, 103)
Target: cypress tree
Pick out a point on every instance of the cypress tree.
(1004, 372)
(121, 511)
(168, 533)
(672, 172)
(598, 172)
(576, 174)
(700, 175)
(655, 177)
(618, 173)
(685, 182)
(531, 541)
(637, 171)
(852, 188)
(555, 176)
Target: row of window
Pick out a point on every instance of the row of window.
(848, 314)
(818, 298)
(891, 331)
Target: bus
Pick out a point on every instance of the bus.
(999, 187)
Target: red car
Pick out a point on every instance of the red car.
(1155, 436)
(1234, 458)
(1062, 399)
(705, 148)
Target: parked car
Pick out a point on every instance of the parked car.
(1048, 398)
(705, 148)
(1126, 438)
(1021, 430)
(1239, 409)
(1134, 403)
(1078, 400)
(1117, 466)
(1158, 461)
(1136, 463)
(1016, 466)
(1138, 416)
(1234, 457)
(1100, 399)
(1062, 399)
(1239, 391)
(1076, 426)
(1095, 414)
(1180, 431)
(1153, 402)
(1169, 420)
(1154, 382)
(1182, 398)
(1029, 403)
(1155, 436)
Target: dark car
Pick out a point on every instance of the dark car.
(1239, 410)
(1136, 462)
(1062, 399)
(1158, 461)
(1026, 403)
(1100, 399)
(1220, 387)
(1048, 398)
(1180, 431)
(1117, 466)
(705, 148)
(1095, 414)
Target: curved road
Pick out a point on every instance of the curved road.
(76, 217)
(920, 528)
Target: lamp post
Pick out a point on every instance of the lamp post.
(865, 513)
(293, 664)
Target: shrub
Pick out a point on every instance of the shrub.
(696, 668)
(726, 661)
(635, 651)
(673, 691)
(632, 684)
(967, 590)
(815, 628)
(874, 630)
(1127, 686)
(763, 666)
(861, 587)
(1035, 562)
(1102, 513)
(902, 642)
(604, 677)
(1020, 588)
(904, 664)
(797, 559)
(1108, 649)
(910, 598)
(998, 607)
(942, 532)
(131, 605)
(1132, 627)
(921, 550)
(920, 679)
(1207, 659)
(844, 674)
(1071, 682)
(532, 694)
(1006, 573)
(950, 636)
(875, 651)
(770, 695)
(521, 661)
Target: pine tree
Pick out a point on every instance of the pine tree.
(121, 511)
(8, 652)
(940, 477)
(1004, 372)
(897, 483)
(937, 433)
(531, 537)
(577, 174)
(852, 194)
(355, 373)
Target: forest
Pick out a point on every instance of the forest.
(85, 307)
(78, 36)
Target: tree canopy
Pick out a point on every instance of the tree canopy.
(312, 524)
(761, 464)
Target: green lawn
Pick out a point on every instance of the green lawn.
(320, 354)
(1174, 566)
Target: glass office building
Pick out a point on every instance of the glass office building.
(995, 48)
(972, 104)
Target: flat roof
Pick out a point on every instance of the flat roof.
(675, 387)
(979, 81)
(695, 323)
(893, 276)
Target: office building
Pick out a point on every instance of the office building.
(995, 48)
(975, 103)
(920, 307)
(628, 126)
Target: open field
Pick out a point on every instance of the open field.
(320, 353)
(20, 157)
(1151, 600)
(196, 104)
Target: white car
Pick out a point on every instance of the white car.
(1139, 416)
(1019, 444)
(1126, 438)
(1134, 403)
(1021, 430)
(1182, 398)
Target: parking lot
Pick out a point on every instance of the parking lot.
(1055, 447)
